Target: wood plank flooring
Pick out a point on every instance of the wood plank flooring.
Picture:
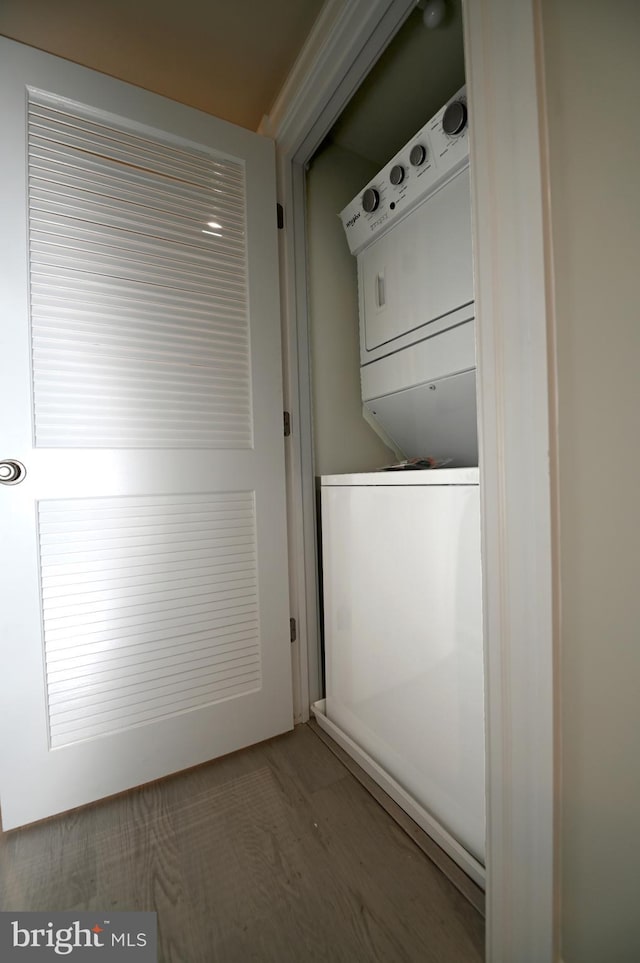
(275, 854)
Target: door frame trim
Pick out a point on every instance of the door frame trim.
(515, 334)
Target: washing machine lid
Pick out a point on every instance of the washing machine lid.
(403, 479)
(437, 419)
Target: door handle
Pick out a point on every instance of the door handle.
(12, 472)
(380, 292)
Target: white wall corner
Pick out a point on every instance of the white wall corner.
(264, 127)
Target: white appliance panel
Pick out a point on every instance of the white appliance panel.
(411, 231)
(439, 156)
(403, 636)
(433, 358)
(437, 419)
(419, 273)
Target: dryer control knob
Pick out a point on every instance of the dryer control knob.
(397, 174)
(370, 200)
(454, 119)
(418, 155)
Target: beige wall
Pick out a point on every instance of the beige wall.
(592, 62)
(343, 441)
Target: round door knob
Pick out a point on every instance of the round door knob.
(454, 119)
(397, 174)
(11, 472)
(418, 155)
(370, 200)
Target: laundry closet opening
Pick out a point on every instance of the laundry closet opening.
(391, 338)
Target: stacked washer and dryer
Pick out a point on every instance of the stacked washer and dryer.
(401, 549)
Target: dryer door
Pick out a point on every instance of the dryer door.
(419, 273)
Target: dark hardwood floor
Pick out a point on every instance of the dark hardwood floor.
(275, 854)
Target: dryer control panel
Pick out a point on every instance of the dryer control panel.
(438, 151)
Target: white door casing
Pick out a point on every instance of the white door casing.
(145, 609)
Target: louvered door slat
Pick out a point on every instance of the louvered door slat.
(192, 351)
(165, 598)
(66, 170)
(61, 253)
(143, 220)
(204, 253)
(70, 667)
(136, 331)
(46, 296)
(139, 306)
(127, 690)
(68, 123)
(55, 282)
(127, 655)
(68, 374)
(86, 171)
(121, 663)
(55, 259)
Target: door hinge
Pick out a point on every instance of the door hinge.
(293, 630)
(280, 216)
(287, 424)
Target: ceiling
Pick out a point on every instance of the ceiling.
(227, 58)
(230, 59)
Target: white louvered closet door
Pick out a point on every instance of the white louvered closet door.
(144, 587)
